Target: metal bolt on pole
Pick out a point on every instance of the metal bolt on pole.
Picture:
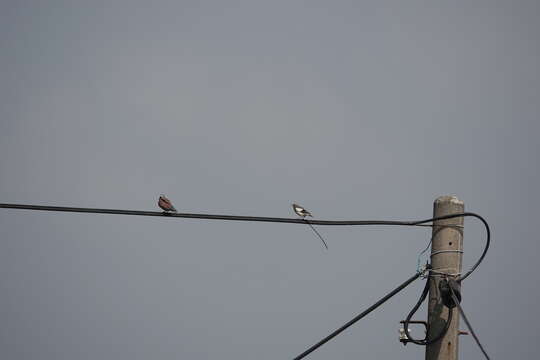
(446, 254)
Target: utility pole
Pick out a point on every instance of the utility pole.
(446, 254)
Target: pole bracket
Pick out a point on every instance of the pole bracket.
(446, 294)
(403, 335)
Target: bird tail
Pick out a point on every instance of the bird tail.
(319, 235)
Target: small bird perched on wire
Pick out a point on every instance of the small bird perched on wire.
(300, 211)
(165, 204)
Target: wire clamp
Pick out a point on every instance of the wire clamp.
(446, 287)
(446, 251)
(403, 338)
(424, 270)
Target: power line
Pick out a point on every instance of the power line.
(213, 216)
(358, 317)
(406, 322)
(296, 221)
(226, 217)
(456, 301)
(264, 219)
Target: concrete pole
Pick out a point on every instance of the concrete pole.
(447, 235)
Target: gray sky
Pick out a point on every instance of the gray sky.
(357, 110)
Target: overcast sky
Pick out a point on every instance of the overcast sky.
(354, 109)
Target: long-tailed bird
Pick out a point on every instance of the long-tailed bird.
(300, 211)
(165, 204)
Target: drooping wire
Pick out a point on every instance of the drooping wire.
(435, 338)
(465, 214)
(456, 301)
(422, 253)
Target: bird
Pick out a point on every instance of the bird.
(302, 212)
(165, 204)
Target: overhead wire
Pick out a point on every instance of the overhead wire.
(358, 317)
(419, 273)
(418, 260)
(458, 304)
(267, 219)
(435, 338)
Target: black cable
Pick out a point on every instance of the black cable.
(412, 312)
(264, 219)
(358, 317)
(226, 217)
(425, 341)
(488, 240)
(456, 301)
(309, 222)
(465, 214)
